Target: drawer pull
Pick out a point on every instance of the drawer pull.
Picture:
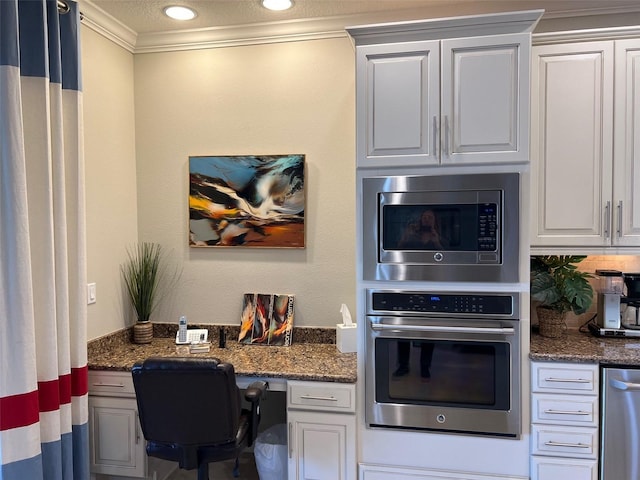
(550, 411)
(100, 384)
(567, 380)
(315, 397)
(551, 443)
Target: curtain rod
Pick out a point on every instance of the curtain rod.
(63, 7)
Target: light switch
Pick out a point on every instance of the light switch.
(91, 293)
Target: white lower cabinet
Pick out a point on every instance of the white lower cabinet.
(116, 445)
(545, 468)
(322, 426)
(564, 421)
(380, 472)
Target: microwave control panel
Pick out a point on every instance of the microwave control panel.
(433, 302)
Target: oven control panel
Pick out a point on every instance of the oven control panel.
(445, 303)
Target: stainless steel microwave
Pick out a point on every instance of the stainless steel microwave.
(462, 228)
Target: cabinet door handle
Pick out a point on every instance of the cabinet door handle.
(551, 443)
(567, 380)
(607, 218)
(551, 411)
(290, 439)
(619, 226)
(315, 397)
(435, 135)
(446, 135)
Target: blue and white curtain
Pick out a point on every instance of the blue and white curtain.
(43, 355)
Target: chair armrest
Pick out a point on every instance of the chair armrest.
(256, 391)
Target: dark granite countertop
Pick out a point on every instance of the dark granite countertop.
(575, 346)
(300, 361)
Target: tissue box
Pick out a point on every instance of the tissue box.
(346, 337)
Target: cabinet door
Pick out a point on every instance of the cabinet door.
(626, 200)
(398, 104)
(546, 468)
(117, 446)
(321, 446)
(485, 99)
(571, 146)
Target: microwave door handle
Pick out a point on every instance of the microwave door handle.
(437, 328)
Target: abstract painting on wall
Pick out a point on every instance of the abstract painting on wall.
(267, 319)
(248, 201)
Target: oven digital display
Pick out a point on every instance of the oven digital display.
(442, 303)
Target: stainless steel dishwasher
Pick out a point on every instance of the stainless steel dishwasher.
(620, 439)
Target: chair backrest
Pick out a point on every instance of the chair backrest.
(187, 401)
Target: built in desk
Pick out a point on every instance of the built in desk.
(318, 381)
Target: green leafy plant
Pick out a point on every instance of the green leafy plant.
(557, 284)
(141, 274)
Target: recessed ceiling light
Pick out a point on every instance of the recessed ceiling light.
(277, 4)
(180, 13)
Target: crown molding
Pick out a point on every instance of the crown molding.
(609, 33)
(101, 22)
(304, 29)
(251, 34)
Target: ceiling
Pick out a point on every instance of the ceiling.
(145, 16)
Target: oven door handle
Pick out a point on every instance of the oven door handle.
(439, 328)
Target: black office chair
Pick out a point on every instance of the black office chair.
(190, 411)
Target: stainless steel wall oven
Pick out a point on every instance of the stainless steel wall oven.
(444, 361)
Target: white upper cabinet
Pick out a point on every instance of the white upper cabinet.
(626, 147)
(584, 161)
(426, 98)
(399, 101)
(485, 99)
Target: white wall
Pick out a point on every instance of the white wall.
(293, 97)
(109, 138)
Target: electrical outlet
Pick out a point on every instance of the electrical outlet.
(91, 293)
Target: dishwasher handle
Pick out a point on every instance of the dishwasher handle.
(622, 385)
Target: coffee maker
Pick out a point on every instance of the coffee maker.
(609, 292)
(631, 316)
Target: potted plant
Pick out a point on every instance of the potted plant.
(558, 287)
(141, 274)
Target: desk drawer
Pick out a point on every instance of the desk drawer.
(326, 396)
(110, 383)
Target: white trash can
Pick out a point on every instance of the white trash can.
(270, 452)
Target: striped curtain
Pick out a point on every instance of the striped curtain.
(43, 355)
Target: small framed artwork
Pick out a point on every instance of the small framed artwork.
(247, 201)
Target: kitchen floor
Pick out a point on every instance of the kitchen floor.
(223, 470)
